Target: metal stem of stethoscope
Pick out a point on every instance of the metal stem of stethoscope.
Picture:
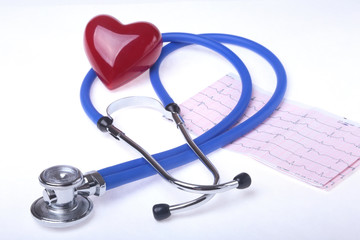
(202, 199)
(162, 211)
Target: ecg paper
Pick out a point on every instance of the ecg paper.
(308, 144)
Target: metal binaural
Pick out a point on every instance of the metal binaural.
(206, 197)
(162, 211)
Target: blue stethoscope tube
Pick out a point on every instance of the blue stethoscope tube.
(215, 138)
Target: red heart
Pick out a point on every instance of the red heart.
(119, 53)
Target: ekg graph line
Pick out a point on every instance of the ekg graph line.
(308, 144)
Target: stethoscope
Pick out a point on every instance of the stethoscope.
(65, 199)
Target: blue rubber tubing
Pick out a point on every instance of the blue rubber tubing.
(137, 169)
(85, 99)
(223, 125)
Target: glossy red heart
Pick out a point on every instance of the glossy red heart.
(119, 53)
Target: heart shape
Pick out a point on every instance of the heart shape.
(119, 53)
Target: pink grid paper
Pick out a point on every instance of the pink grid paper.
(308, 144)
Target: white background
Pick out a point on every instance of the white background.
(42, 63)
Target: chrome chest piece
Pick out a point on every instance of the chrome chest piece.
(65, 197)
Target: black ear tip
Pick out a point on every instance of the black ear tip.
(244, 180)
(161, 211)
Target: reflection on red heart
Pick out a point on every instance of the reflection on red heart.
(119, 53)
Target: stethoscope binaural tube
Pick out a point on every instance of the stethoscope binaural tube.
(216, 137)
(234, 116)
(136, 169)
(240, 181)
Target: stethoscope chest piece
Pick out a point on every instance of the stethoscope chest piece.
(63, 203)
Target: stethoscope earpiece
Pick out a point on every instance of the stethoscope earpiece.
(244, 180)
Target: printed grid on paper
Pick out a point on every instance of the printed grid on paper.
(311, 145)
